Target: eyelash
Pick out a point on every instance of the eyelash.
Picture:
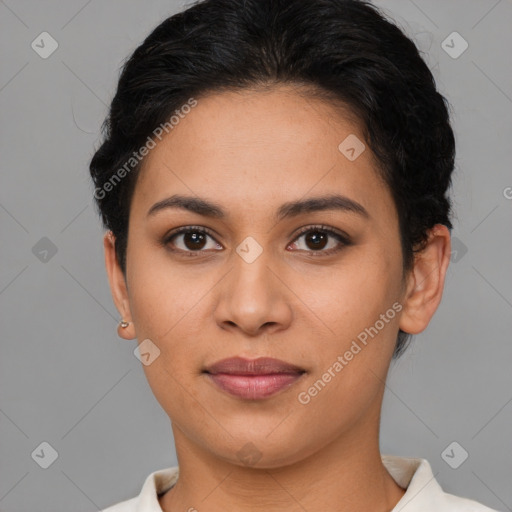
(344, 239)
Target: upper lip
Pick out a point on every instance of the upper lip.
(259, 366)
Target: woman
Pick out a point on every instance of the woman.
(273, 179)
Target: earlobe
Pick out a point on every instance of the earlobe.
(123, 330)
(426, 281)
(118, 287)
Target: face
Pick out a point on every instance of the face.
(319, 288)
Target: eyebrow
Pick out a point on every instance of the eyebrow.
(287, 210)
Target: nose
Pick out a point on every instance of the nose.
(253, 298)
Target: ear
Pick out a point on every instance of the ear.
(426, 281)
(118, 286)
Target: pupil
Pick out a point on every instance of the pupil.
(316, 237)
(197, 239)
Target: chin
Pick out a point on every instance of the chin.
(262, 453)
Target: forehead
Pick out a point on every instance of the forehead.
(262, 144)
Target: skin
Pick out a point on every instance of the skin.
(250, 152)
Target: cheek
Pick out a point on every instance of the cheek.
(354, 360)
(164, 310)
(358, 308)
(357, 293)
(163, 296)
(165, 306)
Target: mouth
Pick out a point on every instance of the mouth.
(254, 379)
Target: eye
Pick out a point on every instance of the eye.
(193, 239)
(316, 238)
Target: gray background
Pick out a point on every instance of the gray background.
(65, 376)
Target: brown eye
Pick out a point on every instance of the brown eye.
(316, 240)
(194, 240)
(322, 240)
(189, 239)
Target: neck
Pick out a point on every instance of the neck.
(345, 475)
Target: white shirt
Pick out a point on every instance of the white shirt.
(423, 493)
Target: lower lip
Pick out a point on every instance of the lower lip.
(254, 387)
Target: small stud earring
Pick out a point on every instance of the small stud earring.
(124, 324)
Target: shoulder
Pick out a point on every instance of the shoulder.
(156, 483)
(423, 491)
(123, 506)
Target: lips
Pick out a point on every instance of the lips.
(260, 366)
(253, 379)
